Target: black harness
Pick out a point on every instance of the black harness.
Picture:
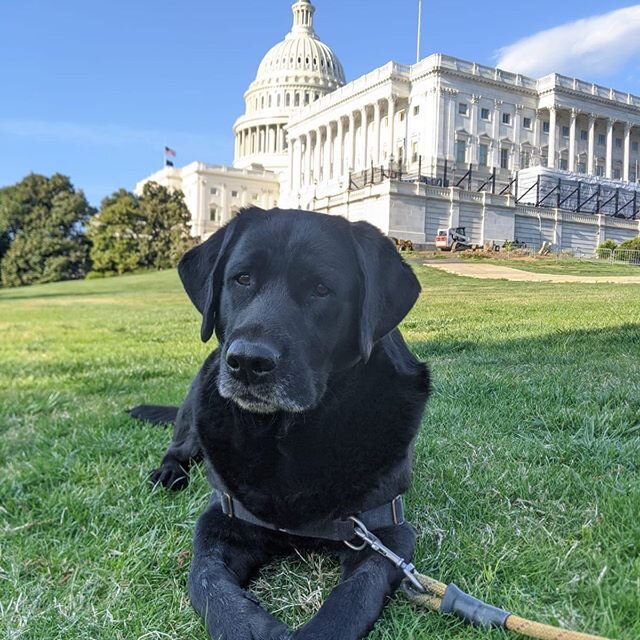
(387, 515)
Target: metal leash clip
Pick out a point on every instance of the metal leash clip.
(371, 540)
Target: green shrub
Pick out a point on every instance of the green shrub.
(633, 244)
(603, 249)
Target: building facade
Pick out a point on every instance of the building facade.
(310, 140)
(213, 193)
(446, 109)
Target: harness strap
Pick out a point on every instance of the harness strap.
(387, 515)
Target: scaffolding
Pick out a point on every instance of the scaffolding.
(536, 187)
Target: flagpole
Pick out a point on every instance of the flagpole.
(419, 30)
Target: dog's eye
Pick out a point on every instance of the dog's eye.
(244, 279)
(321, 290)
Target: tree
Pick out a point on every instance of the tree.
(114, 234)
(167, 220)
(42, 237)
(131, 232)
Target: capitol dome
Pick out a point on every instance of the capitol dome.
(302, 52)
(295, 72)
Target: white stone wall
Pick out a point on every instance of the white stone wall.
(415, 212)
(213, 194)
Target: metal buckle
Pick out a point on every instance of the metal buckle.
(398, 513)
(227, 505)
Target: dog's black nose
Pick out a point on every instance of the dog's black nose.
(250, 360)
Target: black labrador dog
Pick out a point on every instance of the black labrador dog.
(305, 414)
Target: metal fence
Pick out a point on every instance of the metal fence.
(578, 196)
(619, 256)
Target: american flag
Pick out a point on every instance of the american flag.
(168, 151)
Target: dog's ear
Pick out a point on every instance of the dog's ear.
(390, 286)
(200, 270)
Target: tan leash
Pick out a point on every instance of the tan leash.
(449, 599)
(436, 594)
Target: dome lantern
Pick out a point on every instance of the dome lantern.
(303, 12)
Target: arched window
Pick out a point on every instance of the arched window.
(296, 101)
(287, 100)
(278, 100)
(269, 100)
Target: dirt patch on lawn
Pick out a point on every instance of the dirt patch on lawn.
(495, 272)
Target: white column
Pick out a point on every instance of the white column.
(537, 126)
(363, 137)
(497, 119)
(572, 140)
(551, 162)
(517, 133)
(591, 147)
(627, 151)
(352, 141)
(309, 160)
(391, 117)
(451, 102)
(608, 171)
(291, 155)
(326, 156)
(473, 126)
(375, 147)
(316, 162)
(339, 149)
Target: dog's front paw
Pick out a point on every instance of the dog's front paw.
(171, 475)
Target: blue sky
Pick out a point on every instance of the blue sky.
(95, 89)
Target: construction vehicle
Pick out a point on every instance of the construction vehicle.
(453, 239)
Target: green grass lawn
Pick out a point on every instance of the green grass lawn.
(527, 478)
(563, 266)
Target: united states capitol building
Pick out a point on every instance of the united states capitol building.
(412, 148)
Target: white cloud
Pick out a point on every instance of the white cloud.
(600, 45)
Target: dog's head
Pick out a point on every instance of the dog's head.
(292, 297)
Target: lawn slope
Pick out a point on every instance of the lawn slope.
(527, 479)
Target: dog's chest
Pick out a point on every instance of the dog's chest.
(304, 475)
